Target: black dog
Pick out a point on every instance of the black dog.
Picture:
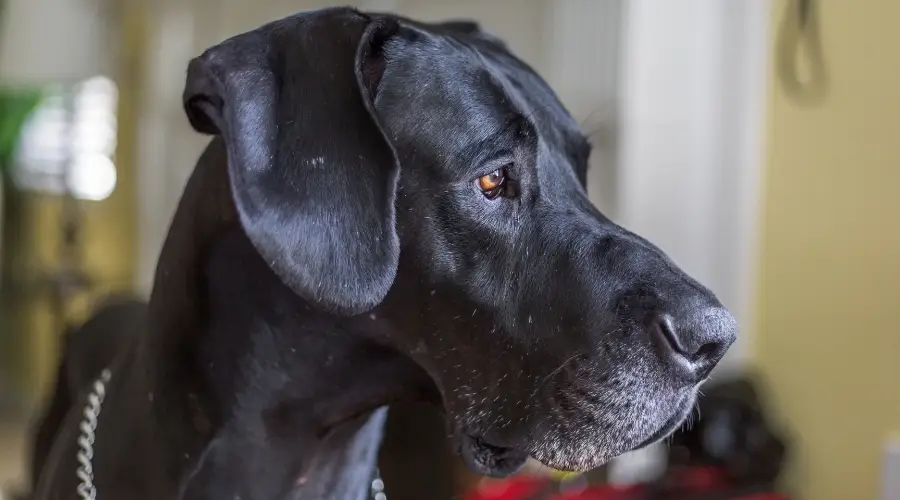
(390, 210)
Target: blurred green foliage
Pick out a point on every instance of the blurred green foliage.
(15, 107)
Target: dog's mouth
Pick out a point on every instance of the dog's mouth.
(489, 459)
(484, 455)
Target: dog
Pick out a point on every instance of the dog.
(388, 211)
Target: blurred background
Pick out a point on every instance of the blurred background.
(756, 141)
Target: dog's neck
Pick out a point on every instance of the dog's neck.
(260, 395)
(289, 389)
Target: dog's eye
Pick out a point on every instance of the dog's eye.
(493, 184)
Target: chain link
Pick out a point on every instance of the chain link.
(378, 487)
(85, 473)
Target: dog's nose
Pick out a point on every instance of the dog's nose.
(695, 344)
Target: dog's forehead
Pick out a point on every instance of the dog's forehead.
(529, 91)
(472, 88)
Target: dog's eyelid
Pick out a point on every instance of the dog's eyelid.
(494, 166)
(496, 161)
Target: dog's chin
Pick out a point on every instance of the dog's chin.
(586, 452)
(489, 459)
(582, 457)
(578, 449)
(670, 426)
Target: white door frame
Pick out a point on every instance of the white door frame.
(693, 100)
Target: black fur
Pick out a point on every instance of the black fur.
(332, 253)
(86, 351)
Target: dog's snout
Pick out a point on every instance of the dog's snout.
(693, 345)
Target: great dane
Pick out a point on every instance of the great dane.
(388, 210)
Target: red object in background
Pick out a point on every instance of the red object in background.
(605, 492)
(698, 479)
(523, 488)
(515, 488)
(684, 484)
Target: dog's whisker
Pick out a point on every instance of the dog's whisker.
(554, 372)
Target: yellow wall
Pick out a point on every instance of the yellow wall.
(828, 324)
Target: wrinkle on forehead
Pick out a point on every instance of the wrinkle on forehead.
(535, 96)
(456, 93)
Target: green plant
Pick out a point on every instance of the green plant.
(15, 108)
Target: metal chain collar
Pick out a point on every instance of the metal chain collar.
(86, 489)
(88, 433)
(377, 488)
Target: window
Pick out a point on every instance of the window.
(86, 142)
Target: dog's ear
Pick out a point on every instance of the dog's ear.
(313, 175)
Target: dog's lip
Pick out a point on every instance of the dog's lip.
(489, 459)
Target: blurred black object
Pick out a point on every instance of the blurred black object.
(732, 436)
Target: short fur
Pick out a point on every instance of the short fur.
(332, 253)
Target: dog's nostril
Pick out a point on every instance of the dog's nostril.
(691, 347)
(706, 358)
(664, 327)
(707, 353)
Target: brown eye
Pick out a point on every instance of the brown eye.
(492, 184)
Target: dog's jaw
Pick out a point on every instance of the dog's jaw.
(566, 429)
(581, 448)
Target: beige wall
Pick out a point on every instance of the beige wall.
(109, 235)
(828, 331)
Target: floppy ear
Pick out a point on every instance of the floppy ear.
(312, 174)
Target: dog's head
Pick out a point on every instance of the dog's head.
(425, 174)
